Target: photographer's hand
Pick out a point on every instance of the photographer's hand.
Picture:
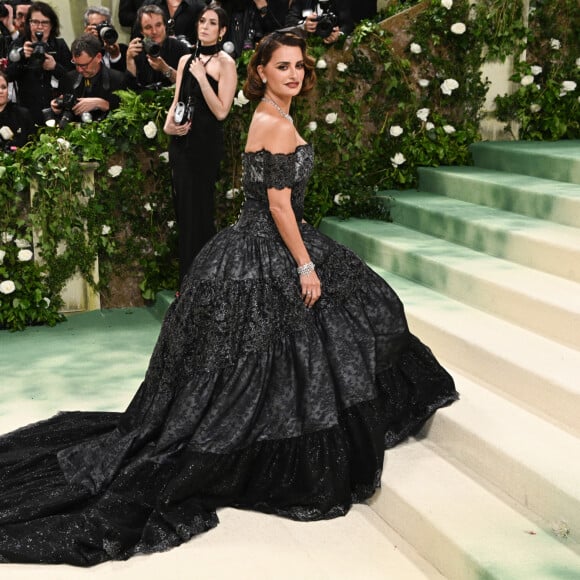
(54, 107)
(135, 47)
(49, 62)
(88, 104)
(27, 49)
(333, 36)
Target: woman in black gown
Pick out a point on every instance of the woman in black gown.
(204, 94)
(269, 388)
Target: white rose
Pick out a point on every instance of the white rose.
(46, 301)
(321, 63)
(568, 86)
(415, 48)
(423, 82)
(24, 255)
(555, 43)
(7, 287)
(2, 256)
(241, 99)
(536, 70)
(150, 130)
(398, 159)
(423, 114)
(535, 108)
(105, 230)
(51, 123)
(170, 224)
(527, 80)
(447, 4)
(340, 198)
(396, 130)
(6, 133)
(449, 129)
(448, 86)
(63, 143)
(148, 207)
(331, 118)
(164, 156)
(458, 28)
(312, 126)
(231, 193)
(6, 237)
(429, 126)
(22, 243)
(341, 67)
(115, 170)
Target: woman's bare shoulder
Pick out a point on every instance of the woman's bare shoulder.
(272, 133)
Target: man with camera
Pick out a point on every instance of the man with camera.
(152, 60)
(88, 93)
(97, 21)
(328, 19)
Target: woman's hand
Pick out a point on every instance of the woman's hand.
(172, 128)
(310, 288)
(197, 69)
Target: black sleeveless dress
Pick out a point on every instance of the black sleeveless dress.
(195, 160)
(250, 400)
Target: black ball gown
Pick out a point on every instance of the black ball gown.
(250, 400)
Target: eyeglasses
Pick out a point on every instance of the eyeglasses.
(42, 23)
(84, 66)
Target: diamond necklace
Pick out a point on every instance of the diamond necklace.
(278, 108)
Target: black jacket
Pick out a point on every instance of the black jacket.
(35, 86)
(20, 122)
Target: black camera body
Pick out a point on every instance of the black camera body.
(327, 21)
(150, 47)
(107, 33)
(66, 104)
(39, 51)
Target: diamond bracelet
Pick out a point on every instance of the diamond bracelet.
(307, 268)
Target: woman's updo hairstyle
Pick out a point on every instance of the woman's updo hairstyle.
(254, 88)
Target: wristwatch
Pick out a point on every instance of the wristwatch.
(167, 73)
(262, 11)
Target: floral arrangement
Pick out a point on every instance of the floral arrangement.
(385, 103)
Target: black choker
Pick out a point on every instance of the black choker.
(199, 49)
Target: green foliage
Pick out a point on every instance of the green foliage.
(392, 97)
(545, 105)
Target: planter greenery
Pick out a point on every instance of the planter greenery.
(393, 96)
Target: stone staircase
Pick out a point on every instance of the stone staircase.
(487, 261)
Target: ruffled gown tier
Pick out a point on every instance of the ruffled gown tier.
(250, 400)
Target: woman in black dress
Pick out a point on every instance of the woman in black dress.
(204, 93)
(282, 372)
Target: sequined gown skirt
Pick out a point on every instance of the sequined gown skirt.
(250, 400)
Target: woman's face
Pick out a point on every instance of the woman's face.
(3, 92)
(284, 73)
(208, 28)
(40, 23)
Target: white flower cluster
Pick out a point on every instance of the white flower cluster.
(6, 133)
(447, 4)
(331, 118)
(341, 67)
(150, 130)
(24, 255)
(448, 86)
(458, 28)
(395, 130)
(232, 193)
(341, 198)
(397, 159)
(415, 48)
(115, 170)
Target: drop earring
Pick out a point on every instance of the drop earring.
(264, 81)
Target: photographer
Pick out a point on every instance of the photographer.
(152, 60)
(329, 19)
(180, 16)
(39, 60)
(97, 21)
(8, 31)
(89, 92)
(16, 124)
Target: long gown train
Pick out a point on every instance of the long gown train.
(250, 400)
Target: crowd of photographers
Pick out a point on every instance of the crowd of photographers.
(43, 80)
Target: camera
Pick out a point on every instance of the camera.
(107, 33)
(39, 50)
(66, 104)
(326, 22)
(183, 112)
(150, 47)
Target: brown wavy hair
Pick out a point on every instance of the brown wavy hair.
(254, 88)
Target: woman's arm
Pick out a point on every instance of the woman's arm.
(220, 103)
(283, 140)
(170, 127)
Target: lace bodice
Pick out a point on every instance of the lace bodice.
(263, 170)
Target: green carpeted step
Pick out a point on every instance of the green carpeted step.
(559, 160)
(539, 244)
(539, 198)
(491, 284)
